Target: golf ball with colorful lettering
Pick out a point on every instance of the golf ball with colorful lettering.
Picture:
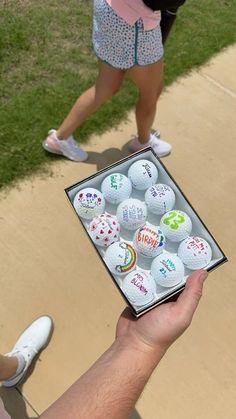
(167, 270)
(89, 202)
(104, 230)
(120, 258)
(149, 240)
(116, 187)
(176, 225)
(160, 198)
(132, 213)
(143, 173)
(139, 287)
(195, 252)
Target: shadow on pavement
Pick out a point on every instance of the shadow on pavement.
(107, 157)
(15, 404)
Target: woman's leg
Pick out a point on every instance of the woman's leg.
(108, 82)
(149, 80)
(8, 366)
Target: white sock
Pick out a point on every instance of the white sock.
(21, 364)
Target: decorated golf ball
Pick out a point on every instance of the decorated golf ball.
(139, 287)
(120, 258)
(116, 187)
(143, 174)
(104, 230)
(89, 202)
(160, 198)
(131, 213)
(149, 240)
(195, 252)
(167, 269)
(176, 225)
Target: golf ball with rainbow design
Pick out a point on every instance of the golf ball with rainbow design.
(195, 252)
(89, 202)
(120, 258)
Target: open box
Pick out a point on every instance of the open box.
(143, 263)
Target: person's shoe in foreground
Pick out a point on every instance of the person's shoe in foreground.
(67, 148)
(29, 344)
(160, 147)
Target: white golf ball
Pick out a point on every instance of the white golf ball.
(120, 258)
(149, 240)
(116, 187)
(167, 270)
(139, 287)
(160, 198)
(143, 173)
(89, 202)
(104, 230)
(195, 252)
(176, 225)
(132, 213)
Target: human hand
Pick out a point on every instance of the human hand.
(160, 327)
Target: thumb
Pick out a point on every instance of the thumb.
(190, 297)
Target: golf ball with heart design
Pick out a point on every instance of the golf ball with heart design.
(89, 202)
(139, 287)
(195, 252)
(116, 187)
(132, 213)
(143, 173)
(149, 240)
(176, 225)
(104, 230)
(160, 198)
(120, 258)
(167, 269)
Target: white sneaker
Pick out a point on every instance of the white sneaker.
(160, 147)
(68, 148)
(29, 344)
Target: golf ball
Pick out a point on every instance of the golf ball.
(149, 240)
(120, 258)
(139, 287)
(104, 230)
(116, 187)
(160, 198)
(143, 174)
(89, 202)
(195, 252)
(132, 213)
(167, 270)
(176, 225)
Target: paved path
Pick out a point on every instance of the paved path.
(49, 266)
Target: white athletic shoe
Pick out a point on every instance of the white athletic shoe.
(160, 147)
(68, 148)
(29, 344)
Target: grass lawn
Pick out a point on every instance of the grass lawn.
(46, 61)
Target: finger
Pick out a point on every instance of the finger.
(190, 297)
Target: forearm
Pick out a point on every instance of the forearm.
(111, 387)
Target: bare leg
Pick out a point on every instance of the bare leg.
(149, 80)
(108, 82)
(8, 366)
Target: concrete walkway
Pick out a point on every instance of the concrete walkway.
(48, 265)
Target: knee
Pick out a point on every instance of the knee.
(108, 90)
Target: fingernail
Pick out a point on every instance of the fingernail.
(204, 275)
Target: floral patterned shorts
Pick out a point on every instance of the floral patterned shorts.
(121, 45)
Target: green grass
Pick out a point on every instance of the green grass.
(46, 61)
